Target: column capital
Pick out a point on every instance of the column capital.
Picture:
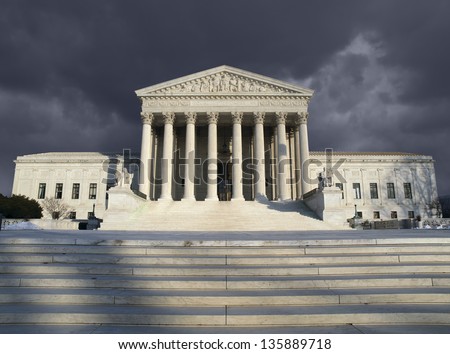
(169, 117)
(302, 118)
(237, 117)
(258, 117)
(213, 117)
(281, 117)
(191, 117)
(147, 118)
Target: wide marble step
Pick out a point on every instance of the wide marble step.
(112, 314)
(425, 314)
(224, 270)
(224, 282)
(429, 314)
(188, 250)
(225, 260)
(216, 298)
(310, 240)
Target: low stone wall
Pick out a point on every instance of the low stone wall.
(431, 223)
(49, 224)
(436, 223)
(46, 224)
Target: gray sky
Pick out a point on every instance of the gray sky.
(380, 69)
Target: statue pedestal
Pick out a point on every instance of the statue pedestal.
(326, 203)
(123, 198)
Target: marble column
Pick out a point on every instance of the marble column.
(211, 194)
(273, 165)
(167, 157)
(276, 188)
(146, 153)
(282, 156)
(304, 149)
(260, 180)
(298, 165)
(237, 156)
(189, 167)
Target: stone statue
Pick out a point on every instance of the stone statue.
(233, 85)
(123, 179)
(127, 177)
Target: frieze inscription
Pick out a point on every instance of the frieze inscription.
(167, 103)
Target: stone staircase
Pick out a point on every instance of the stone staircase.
(214, 215)
(333, 279)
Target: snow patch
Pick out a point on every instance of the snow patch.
(24, 225)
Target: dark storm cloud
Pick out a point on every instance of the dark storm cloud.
(68, 70)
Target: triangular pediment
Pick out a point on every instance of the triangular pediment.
(224, 80)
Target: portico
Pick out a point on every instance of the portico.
(223, 134)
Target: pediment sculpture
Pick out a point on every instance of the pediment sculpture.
(222, 82)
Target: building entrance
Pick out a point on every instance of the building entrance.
(224, 180)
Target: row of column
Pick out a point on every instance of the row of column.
(301, 155)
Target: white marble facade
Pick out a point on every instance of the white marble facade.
(226, 134)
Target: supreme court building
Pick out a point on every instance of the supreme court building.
(227, 148)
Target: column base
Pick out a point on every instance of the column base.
(240, 199)
(212, 199)
(284, 200)
(261, 198)
(189, 199)
(165, 199)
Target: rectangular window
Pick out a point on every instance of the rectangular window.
(58, 191)
(393, 215)
(391, 190)
(93, 191)
(373, 191)
(41, 192)
(411, 214)
(73, 215)
(357, 190)
(408, 191)
(376, 214)
(90, 214)
(76, 191)
(341, 187)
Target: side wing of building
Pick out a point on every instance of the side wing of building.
(381, 185)
(80, 180)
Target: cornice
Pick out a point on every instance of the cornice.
(227, 96)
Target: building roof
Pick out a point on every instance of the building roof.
(373, 155)
(71, 157)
